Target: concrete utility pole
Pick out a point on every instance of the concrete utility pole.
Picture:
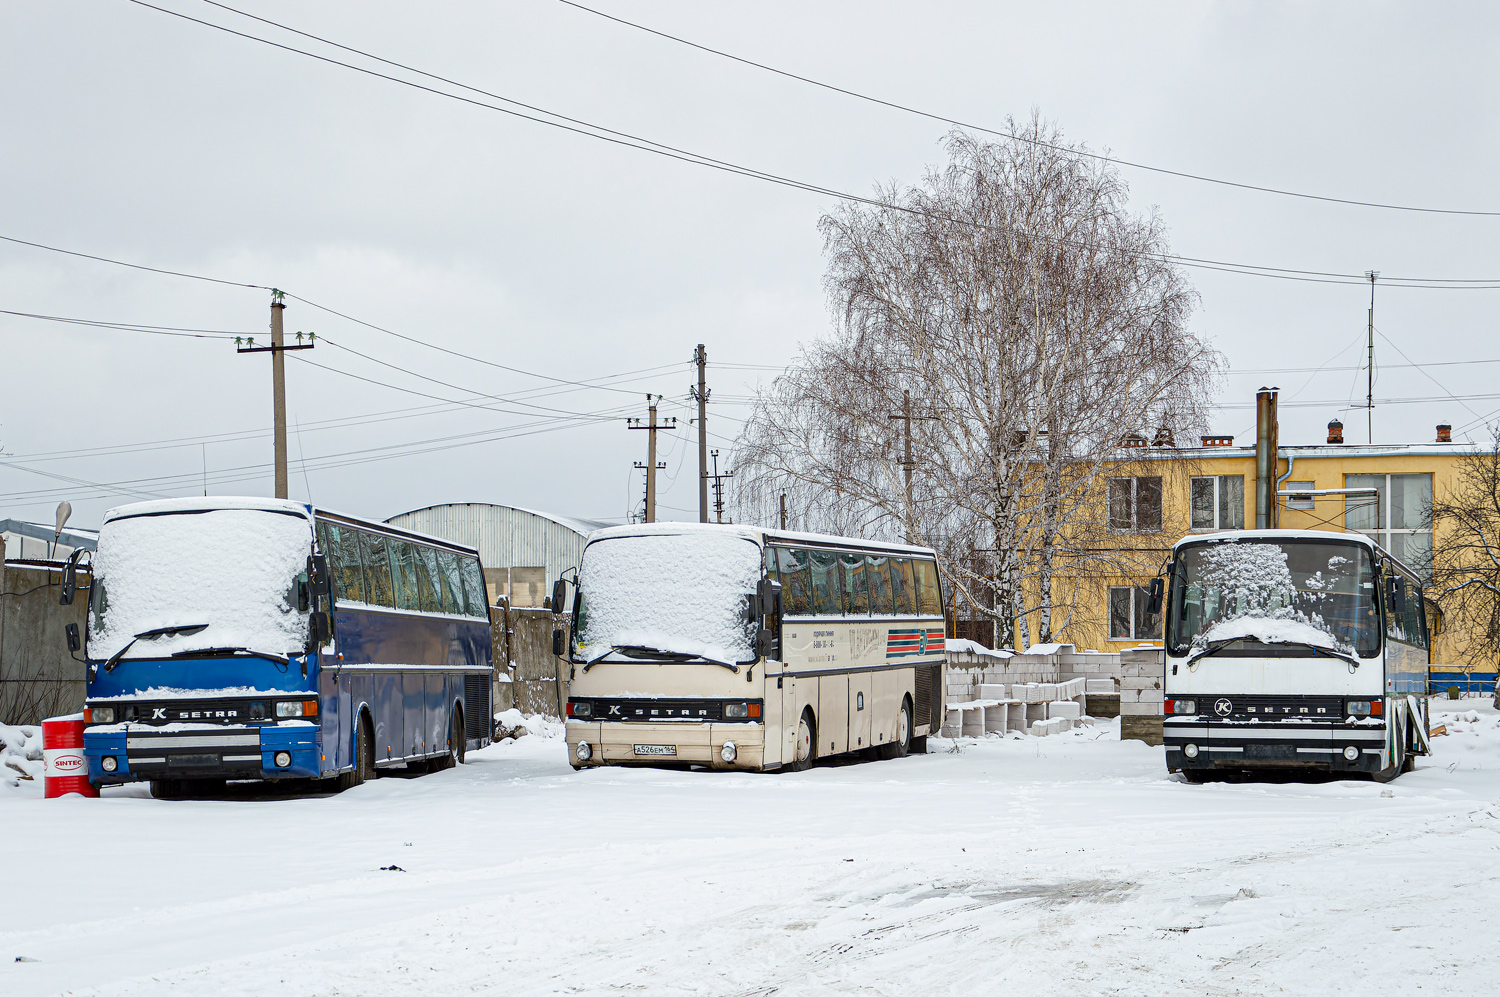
(908, 462)
(701, 394)
(1370, 381)
(651, 464)
(278, 380)
(719, 489)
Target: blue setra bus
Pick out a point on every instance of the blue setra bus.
(250, 638)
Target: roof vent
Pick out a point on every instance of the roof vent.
(1335, 431)
(1132, 440)
(1217, 441)
(1445, 433)
(1163, 438)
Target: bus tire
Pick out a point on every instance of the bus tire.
(457, 742)
(169, 789)
(805, 748)
(1398, 761)
(899, 747)
(918, 746)
(363, 769)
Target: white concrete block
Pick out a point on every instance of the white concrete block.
(1102, 687)
(1035, 712)
(952, 723)
(996, 718)
(1015, 716)
(1064, 708)
(973, 725)
(1048, 691)
(988, 691)
(1032, 693)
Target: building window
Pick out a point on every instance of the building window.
(1219, 502)
(1400, 521)
(1135, 505)
(1128, 619)
(1299, 503)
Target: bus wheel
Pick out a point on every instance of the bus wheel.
(806, 748)
(364, 757)
(1398, 759)
(457, 743)
(169, 789)
(902, 744)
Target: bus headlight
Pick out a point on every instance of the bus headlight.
(100, 714)
(1351, 753)
(109, 763)
(728, 751)
(736, 711)
(1190, 750)
(1182, 706)
(580, 709)
(1364, 707)
(288, 709)
(283, 759)
(584, 751)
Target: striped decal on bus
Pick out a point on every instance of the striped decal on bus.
(901, 643)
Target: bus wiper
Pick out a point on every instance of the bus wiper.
(656, 653)
(1214, 647)
(208, 652)
(1328, 651)
(188, 630)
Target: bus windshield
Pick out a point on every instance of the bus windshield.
(235, 570)
(666, 597)
(1251, 595)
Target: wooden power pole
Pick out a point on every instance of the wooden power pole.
(909, 463)
(278, 380)
(701, 394)
(651, 464)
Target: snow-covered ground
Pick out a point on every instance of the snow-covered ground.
(1062, 865)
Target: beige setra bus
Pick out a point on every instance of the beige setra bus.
(734, 647)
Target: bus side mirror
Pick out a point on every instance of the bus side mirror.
(559, 643)
(69, 580)
(319, 629)
(765, 642)
(767, 594)
(559, 595)
(304, 593)
(1397, 591)
(73, 642)
(1153, 604)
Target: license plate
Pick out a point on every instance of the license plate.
(656, 749)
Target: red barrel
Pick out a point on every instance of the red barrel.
(62, 751)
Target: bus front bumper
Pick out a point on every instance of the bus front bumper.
(1199, 744)
(666, 743)
(138, 751)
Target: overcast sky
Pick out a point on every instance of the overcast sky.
(131, 134)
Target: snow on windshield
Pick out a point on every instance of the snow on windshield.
(234, 569)
(1275, 592)
(681, 593)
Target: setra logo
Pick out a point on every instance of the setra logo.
(1223, 707)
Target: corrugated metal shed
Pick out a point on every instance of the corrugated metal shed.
(523, 551)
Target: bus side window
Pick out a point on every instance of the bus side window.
(474, 594)
(771, 571)
(377, 570)
(902, 587)
(427, 579)
(348, 572)
(828, 588)
(796, 585)
(856, 592)
(452, 585)
(404, 574)
(929, 599)
(877, 573)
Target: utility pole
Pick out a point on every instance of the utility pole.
(909, 463)
(278, 379)
(1370, 382)
(701, 394)
(783, 510)
(719, 489)
(651, 464)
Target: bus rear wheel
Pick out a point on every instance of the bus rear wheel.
(901, 744)
(806, 748)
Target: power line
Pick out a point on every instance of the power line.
(590, 130)
(1099, 157)
(156, 330)
(133, 266)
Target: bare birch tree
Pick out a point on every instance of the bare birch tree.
(1034, 320)
(1466, 552)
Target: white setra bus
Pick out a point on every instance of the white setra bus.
(1293, 649)
(736, 647)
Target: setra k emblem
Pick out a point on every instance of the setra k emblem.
(1223, 707)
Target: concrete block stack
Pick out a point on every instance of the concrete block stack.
(1142, 679)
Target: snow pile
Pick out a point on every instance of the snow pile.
(233, 569)
(1267, 631)
(20, 755)
(681, 593)
(513, 723)
(959, 645)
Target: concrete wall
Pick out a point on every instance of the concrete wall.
(967, 672)
(38, 678)
(1142, 679)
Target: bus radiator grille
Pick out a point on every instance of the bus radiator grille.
(477, 707)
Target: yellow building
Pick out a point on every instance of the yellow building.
(1159, 494)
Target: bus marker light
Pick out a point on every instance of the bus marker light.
(309, 707)
(584, 751)
(728, 751)
(1377, 707)
(283, 759)
(755, 709)
(1351, 752)
(1191, 750)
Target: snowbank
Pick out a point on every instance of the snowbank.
(20, 755)
(961, 646)
(532, 723)
(1268, 631)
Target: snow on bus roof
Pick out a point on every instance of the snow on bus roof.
(757, 534)
(211, 503)
(1231, 535)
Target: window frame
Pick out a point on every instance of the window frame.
(1134, 504)
(1383, 531)
(1217, 503)
(1139, 599)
